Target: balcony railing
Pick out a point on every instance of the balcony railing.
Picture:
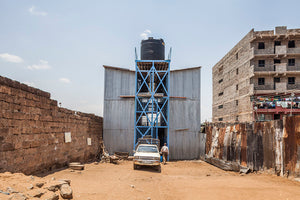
(295, 86)
(264, 87)
(280, 50)
(293, 68)
(280, 67)
(293, 50)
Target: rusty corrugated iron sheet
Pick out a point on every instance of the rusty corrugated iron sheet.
(259, 145)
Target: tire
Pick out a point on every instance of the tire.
(158, 168)
(134, 167)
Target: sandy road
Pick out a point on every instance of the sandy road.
(178, 180)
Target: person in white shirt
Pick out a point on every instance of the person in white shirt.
(165, 153)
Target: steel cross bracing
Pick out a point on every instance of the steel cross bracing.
(151, 107)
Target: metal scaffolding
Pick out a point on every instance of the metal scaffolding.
(152, 81)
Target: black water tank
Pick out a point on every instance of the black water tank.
(152, 49)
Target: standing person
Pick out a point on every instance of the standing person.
(165, 152)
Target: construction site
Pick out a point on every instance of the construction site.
(247, 152)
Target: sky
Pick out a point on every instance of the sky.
(61, 46)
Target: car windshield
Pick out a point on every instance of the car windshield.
(150, 149)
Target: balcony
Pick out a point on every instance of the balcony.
(280, 87)
(280, 50)
(293, 86)
(293, 68)
(279, 68)
(293, 51)
(264, 87)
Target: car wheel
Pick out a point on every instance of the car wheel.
(159, 168)
(134, 166)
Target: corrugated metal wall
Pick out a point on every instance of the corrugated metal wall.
(260, 146)
(118, 122)
(186, 141)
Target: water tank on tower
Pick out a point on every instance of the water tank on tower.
(152, 49)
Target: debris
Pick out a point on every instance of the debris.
(66, 191)
(54, 186)
(76, 166)
(149, 198)
(18, 196)
(50, 196)
(113, 159)
(30, 187)
(244, 170)
(36, 193)
(39, 184)
(10, 190)
(122, 155)
(207, 174)
(130, 158)
(132, 186)
(297, 179)
(53, 178)
(7, 193)
(66, 180)
(225, 165)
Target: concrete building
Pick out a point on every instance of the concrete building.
(259, 78)
(185, 139)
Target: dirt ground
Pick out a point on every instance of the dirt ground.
(178, 180)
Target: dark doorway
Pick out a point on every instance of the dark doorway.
(162, 136)
(276, 116)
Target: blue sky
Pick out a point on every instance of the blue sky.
(60, 46)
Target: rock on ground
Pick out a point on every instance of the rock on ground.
(36, 193)
(66, 191)
(50, 196)
(18, 196)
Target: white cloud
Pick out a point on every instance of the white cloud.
(42, 65)
(64, 80)
(145, 34)
(11, 58)
(34, 11)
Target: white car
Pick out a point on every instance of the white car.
(147, 155)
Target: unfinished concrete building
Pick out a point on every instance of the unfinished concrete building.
(153, 101)
(259, 78)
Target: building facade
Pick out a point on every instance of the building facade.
(259, 78)
(185, 139)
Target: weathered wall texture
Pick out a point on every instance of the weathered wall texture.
(32, 131)
(118, 125)
(184, 123)
(271, 145)
(184, 117)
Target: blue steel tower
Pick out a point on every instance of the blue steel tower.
(152, 81)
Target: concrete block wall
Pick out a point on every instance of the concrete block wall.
(32, 131)
(235, 83)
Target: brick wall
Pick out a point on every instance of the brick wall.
(32, 131)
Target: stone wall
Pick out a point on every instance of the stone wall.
(33, 127)
(272, 145)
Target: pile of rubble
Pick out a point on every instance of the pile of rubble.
(21, 187)
(104, 156)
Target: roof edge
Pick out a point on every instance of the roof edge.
(189, 68)
(117, 68)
